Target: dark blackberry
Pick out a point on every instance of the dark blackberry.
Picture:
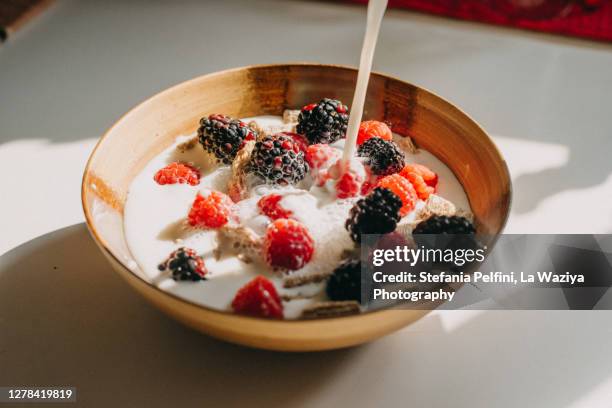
(378, 213)
(184, 264)
(277, 159)
(441, 224)
(224, 136)
(345, 282)
(323, 122)
(442, 233)
(383, 156)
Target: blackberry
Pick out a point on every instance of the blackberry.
(277, 159)
(441, 224)
(323, 122)
(378, 213)
(383, 156)
(185, 265)
(345, 282)
(442, 232)
(224, 136)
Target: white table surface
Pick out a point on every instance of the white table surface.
(66, 319)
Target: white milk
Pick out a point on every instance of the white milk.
(154, 220)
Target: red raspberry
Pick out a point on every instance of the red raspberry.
(258, 298)
(403, 189)
(320, 155)
(430, 178)
(422, 178)
(422, 189)
(212, 211)
(349, 185)
(270, 205)
(178, 173)
(347, 181)
(288, 244)
(373, 128)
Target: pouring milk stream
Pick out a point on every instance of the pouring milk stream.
(376, 9)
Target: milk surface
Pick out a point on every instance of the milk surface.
(154, 223)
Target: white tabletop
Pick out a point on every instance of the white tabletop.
(66, 319)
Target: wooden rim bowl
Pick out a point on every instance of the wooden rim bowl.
(146, 130)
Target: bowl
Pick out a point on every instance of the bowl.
(142, 133)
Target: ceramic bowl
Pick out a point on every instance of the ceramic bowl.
(433, 123)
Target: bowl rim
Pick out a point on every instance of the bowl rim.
(103, 245)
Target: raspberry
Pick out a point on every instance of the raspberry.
(373, 128)
(403, 189)
(323, 122)
(270, 205)
(428, 175)
(422, 189)
(288, 244)
(224, 136)
(320, 156)
(378, 213)
(178, 173)
(349, 185)
(185, 264)
(422, 178)
(345, 282)
(212, 211)
(383, 156)
(348, 181)
(277, 159)
(258, 298)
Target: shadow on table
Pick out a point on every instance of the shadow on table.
(588, 166)
(67, 319)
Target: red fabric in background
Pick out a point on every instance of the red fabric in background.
(580, 18)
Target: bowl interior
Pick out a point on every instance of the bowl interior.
(145, 131)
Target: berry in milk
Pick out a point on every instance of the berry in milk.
(260, 219)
